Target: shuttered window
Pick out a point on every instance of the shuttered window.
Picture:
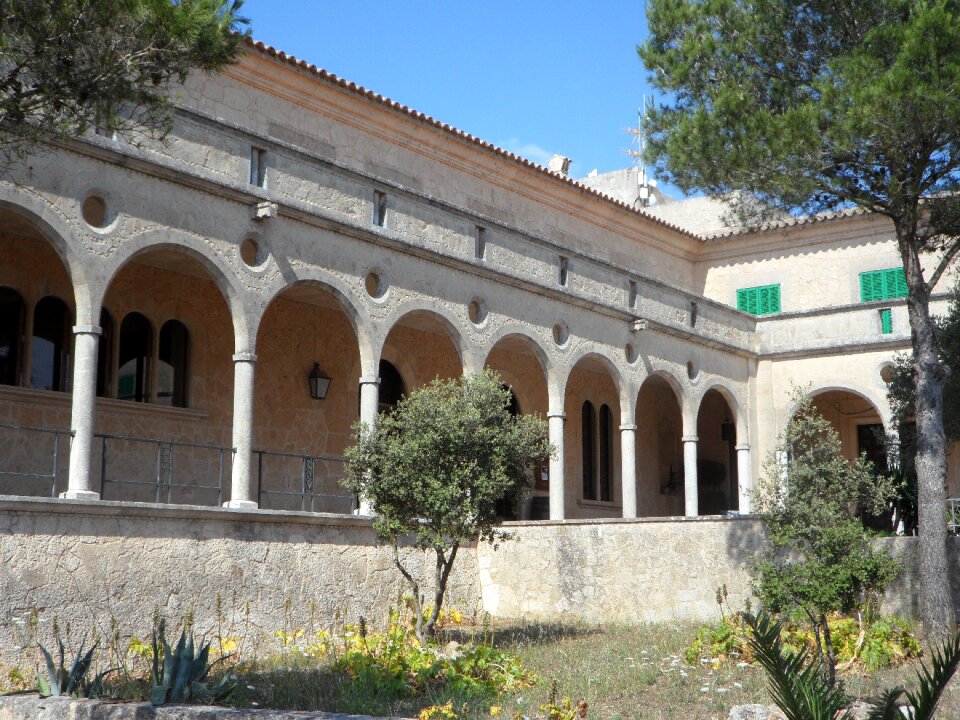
(763, 300)
(886, 321)
(882, 284)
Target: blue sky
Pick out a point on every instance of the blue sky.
(536, 78)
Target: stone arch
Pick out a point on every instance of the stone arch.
(609, 360)
(879, 403)
(346, 300)
(528, 375)
(514, 330)
(426, 308)
(195, 247)
(57, 231)
(593, 396)
(736, 407)
(660, 416)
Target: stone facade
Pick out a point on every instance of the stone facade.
(292, 220)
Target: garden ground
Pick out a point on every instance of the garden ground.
(621, 671)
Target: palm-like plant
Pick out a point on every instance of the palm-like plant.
(799, 690)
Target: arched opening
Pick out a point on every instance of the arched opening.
(12, 311)
(165, 349)
(717, 483)
(172, 370)
(299, 440)
(423, 346)
(520, 362)
(858, 423)
(659, 449)
(592, 487)
(50, 347)
(511, 507)
(588, 450)
(392, 388)
(133, 373)
(105, 365)
(36, 347)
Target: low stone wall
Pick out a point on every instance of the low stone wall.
(620, 570)
(34, 708)
(88, 563)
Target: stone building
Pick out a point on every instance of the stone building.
(164, 307)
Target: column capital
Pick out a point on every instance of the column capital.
(742, 446)
(87, 330)
(369, 380)
(561, 415)
(689, 438)
(628, 426)
(245, 357)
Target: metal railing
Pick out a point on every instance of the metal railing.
(953, 515)
(149, 469)
(19, 451)
(291, 481)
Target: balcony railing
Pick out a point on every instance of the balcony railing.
(162, 471)
(290, 481)
(33, 462)
(31, 459)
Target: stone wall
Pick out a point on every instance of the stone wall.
(88, 563)
(85, 563)
(619, 571)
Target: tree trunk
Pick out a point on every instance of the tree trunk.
(936, 599)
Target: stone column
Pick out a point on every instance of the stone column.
(80, 483)
(628, 469)
(240, 491)
(556, 421)
(744, 480)
(690, 495)
(369, 408)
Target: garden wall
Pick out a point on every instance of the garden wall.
(86, 563)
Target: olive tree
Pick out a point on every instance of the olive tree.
(805, 107)
(434, 468)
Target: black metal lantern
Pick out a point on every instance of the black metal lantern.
(319, 383)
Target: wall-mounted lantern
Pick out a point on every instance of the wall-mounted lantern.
(319, 383)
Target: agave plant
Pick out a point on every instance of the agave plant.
(58, 681)
(801, 693)
(179, 675)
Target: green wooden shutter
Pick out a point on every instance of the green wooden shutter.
(882, 284)
(763, 300)
(886, 321)
(743, 298)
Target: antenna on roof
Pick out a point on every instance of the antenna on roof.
(645, 184)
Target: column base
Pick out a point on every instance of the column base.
(241, 505)
(80, 495)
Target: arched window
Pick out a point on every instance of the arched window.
(588, 423)
(172, 368)
(105, 355)
(133, 377)
(514, 407)
(391, 386)
(606, 452)
(50, 345)
(11, 330)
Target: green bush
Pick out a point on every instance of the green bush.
(397, 662)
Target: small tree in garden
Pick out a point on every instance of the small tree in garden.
(435, 467)
(821, 559)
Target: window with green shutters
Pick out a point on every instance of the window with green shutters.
(763, 300)
(886, 321)
(882, 284)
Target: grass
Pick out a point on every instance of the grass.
(623, 672)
